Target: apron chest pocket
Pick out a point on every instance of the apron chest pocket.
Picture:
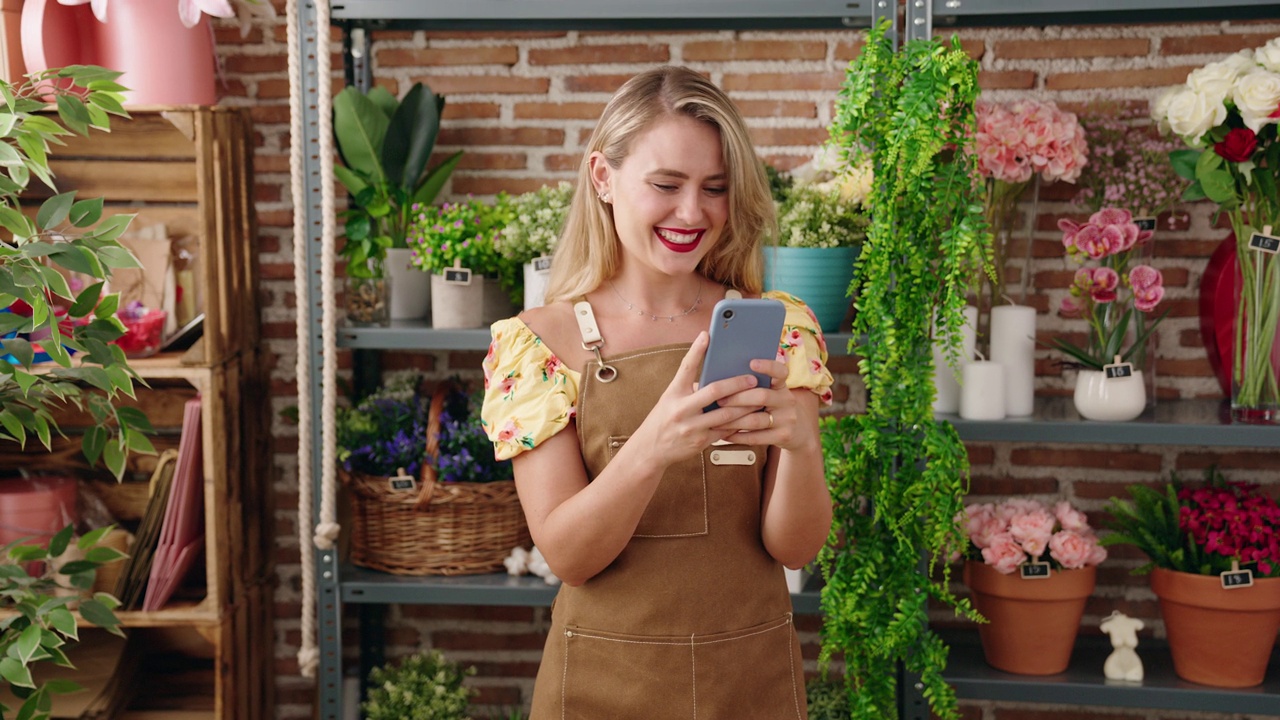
(678, 507)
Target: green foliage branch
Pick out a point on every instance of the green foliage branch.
(41, 623)
(423, 686)
(897, 475)
(72, 235)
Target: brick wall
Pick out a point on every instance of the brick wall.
(522, 103)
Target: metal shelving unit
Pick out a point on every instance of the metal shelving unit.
(1193, 423)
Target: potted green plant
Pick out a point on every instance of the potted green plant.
(422, 686)
(534, 222)
(897, 474)
(1214, 561)
(386, 145)
(455, 243)
(821, 225)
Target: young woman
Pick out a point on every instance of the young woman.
(669, 525)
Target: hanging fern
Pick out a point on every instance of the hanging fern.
(898, 476)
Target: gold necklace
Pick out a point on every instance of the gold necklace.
(642, 312)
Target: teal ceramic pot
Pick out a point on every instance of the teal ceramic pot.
(818, 276)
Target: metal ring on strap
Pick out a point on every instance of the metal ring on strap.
(605, 373)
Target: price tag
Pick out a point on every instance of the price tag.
(402, 482)
(1237, 577)
(1035, 571)
(1145, 223)
(542, 265)
(1117, 370)
(457, 276)
(1269, 244)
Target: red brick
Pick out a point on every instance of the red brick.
(786, 162)
(776, 108)
(1074, 48)
(848, 50)
(594, 83)
(1150, 77)
(470, 111)
(726, 50)
(782, 81)
(255, 64)
(562, 162)
(1212, 44)
(473, 136)
(486, 84)
(1006, 79)
(1075, 457)
(431, 56)
(981, 454)
(1226, 460)
(1087, 490)
(601, 54)
(489, 35)
(809, 137)
(1198, 367)
(559, 110)
(471, 185)
(980, 485)
(489, 161)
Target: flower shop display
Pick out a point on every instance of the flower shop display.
(455, 243)
(821, 225)
(1031, 568)
(1227, 113)
(1017, 143)
(428, 496)
(903, 110)
(532, 230)
(1214, 560)
(386, 145)
(1115, 300)
(421, 686)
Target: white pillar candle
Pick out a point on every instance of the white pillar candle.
(1013, 345)
(946, 381)
(982, 391)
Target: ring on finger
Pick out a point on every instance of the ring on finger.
(770, 419)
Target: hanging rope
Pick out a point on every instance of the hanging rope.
(327, 530)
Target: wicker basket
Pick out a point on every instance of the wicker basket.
(436, 528)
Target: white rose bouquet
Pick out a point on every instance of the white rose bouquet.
(1227, 114)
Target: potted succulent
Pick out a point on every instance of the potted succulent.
(821, 225)
(385, 145)
(1030, 569)
(421, 686)
(534, 222)
(1214, 561)
(898, 475)
(455, 243)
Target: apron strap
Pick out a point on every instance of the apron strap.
(732, 294)
(591, 339)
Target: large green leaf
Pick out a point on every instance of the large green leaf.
(360, 127)
(411, 137)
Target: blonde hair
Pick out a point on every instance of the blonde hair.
(588, 251)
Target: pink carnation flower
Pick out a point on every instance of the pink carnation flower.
(1073, 550)
(1004, 554)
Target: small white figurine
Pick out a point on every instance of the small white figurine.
(1123, 663)
(522, 561)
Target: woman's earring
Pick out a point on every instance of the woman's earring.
(605, 197)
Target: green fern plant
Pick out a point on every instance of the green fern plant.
(898, 476)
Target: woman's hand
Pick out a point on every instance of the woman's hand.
(774, 415)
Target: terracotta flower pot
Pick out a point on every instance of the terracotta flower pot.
(1032, 623)
(1218, 637)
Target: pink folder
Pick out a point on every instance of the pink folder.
(182, 533)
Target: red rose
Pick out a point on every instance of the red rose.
(1238, 145)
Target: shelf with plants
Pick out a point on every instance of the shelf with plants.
(1190, 422)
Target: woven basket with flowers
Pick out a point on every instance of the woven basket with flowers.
(427, 496)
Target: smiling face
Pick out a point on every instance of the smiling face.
(669, 195)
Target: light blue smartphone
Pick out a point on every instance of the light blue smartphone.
(742, 330)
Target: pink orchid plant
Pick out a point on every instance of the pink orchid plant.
(1110, 237)
(1005, 535)
(189, 11)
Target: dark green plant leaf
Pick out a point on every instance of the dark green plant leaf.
(411, 137)
(360, 127)
(86, 212)
(54, 210)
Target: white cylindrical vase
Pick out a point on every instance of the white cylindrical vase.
(536, 275)
(982, 391)
(1013, 345)
(946, 379)
(410, 287)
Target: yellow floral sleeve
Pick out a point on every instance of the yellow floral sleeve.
(803, 348)
(529, 395)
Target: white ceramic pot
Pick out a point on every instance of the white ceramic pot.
(1111, 399)
(535, 284)
(456, 306)
(410, 287)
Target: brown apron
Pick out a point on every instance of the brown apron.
(693, 620)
